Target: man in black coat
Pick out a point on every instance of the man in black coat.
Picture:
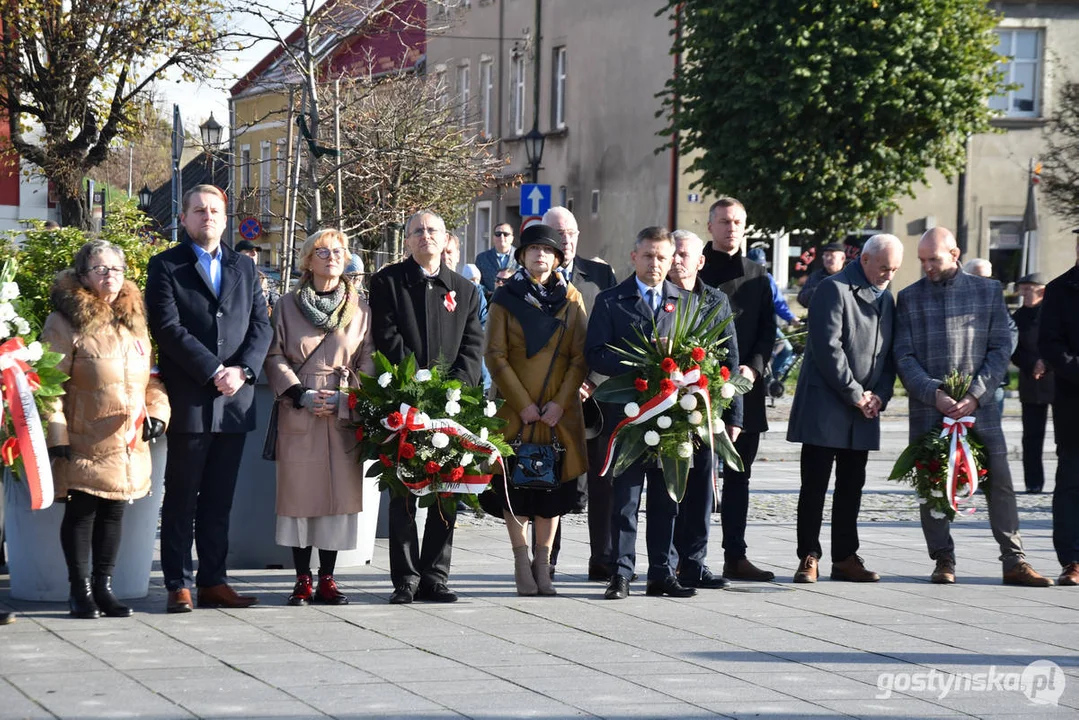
(419, 306)
(206, 310)
(1035, 379)
(746, 284)
(618, 313)
(832, 258)
(590, 277)
(1058, 341)
(695, 510)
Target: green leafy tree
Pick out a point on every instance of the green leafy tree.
(819, 115)
(1060, 166)
(75, 75)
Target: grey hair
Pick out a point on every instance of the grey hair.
(679, 235)
(84, 258)
(558, 212)
(880, 242)
(974, 265)
(419, 214)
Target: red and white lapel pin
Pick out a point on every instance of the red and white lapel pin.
(450, 300)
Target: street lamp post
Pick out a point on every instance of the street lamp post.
(146, 196)
(534, 150)
(211, 140)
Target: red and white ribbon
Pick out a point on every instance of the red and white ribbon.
(450, 300)
(960, 460)
(18, 399)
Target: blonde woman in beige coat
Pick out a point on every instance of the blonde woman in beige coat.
(98, 431)
(321, 339)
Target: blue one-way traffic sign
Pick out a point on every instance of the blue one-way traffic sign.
(535, 199)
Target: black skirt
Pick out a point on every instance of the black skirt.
(527, 502)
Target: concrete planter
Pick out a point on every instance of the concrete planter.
(36, 561)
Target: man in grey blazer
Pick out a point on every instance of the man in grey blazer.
(946, 321)
(846, 380)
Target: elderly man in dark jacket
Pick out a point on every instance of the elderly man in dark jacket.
(1035, 379)
(1058, 341)
(746, 284)
(846, 381)
(419, 306)
(947, 321)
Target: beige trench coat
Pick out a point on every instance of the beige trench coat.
(319, 472)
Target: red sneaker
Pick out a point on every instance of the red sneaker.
(327, 592)
(302, 593)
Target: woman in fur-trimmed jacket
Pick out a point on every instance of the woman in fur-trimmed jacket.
(98, 431)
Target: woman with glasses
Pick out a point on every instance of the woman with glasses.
(321, 338)
(99, 430)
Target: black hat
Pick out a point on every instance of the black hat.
(540, 234)
(246, 245)
(834, 247)
(1034, 278)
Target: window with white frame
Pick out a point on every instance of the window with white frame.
(517, 92)
(245, 167)
(282, 164)
(440, 87)
(558, 93)
(463, 94)
(487, 91)
(1021, 65)
(265, 158)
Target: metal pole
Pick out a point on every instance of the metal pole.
(961, 209)
(536, 87)
(177, 179)
(286, 219)
(337, 145)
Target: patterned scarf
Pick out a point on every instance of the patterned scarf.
(331, 311)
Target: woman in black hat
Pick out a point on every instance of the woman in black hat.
(538, 373)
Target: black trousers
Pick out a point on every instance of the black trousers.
(695, 516)
(90, 524)
(599, 505)
(1066, 500)
(846, 500)
(735, 498)
(200, 480)
(1034, 420)
(409, 563)
(661, 512)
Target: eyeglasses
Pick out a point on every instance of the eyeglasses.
(569, 233)
(105, 270)
(324, 253)
(499, 282)
(503, 233)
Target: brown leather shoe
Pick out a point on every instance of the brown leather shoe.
(179, 601)
(1070, 576)
(853, 569)
(743, 569)
(944, 572)
(223, 596)
(807, 570)
(1023, 574)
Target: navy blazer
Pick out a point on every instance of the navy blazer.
(196, 332)
(617, 312)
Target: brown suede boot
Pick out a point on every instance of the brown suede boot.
(522, 572)
(541, 571)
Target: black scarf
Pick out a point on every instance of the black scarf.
(535, 306)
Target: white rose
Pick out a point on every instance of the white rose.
(423, 375)
(385, 379)
(490, 410)
(937, 514)
(685, 450)
(695, 418)
(466, 460)
(453, 394)
(9, 291)
(937, 493)
(688, 402)
(651, 438)
(440, 440)
(7, 311)
(5, 331)
(922, 500)
(663, 421)
(34, 351)
(452, 408)
(483, 433)
(21, 326)
(632, 409)
(727, 391)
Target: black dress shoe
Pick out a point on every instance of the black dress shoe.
(618, 589)
(669, 586)
(707, 580)
(401, 595)
(436, 593)
(1033, 489)
(598, 573)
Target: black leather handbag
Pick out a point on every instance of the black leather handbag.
(539, 465)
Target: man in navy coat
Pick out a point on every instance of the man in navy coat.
(206, 311)
(620, 311)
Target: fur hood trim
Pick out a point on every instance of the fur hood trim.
(88, 313)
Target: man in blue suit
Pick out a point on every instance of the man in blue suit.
(499, 257)
(644, 302)
(206, 311)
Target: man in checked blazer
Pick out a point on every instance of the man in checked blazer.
(618, 313)
(950, 320)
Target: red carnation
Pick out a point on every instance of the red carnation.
(408, 451)
(934, 465)
(919, 465)
(359, 434)
(385, 460)
(394, 420)
(431, 467)
(446, 494)
(457, 473)
(703, 382)
(697, 354)
(641, 384)
(725, 373)
(982, 472)
(666, 386)
(668, 365)
(351, 401)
